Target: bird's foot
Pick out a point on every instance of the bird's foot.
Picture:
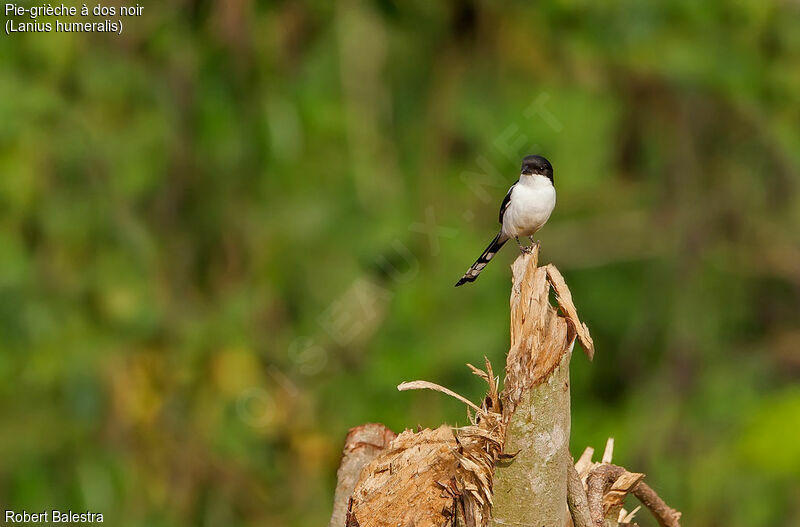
(527, 249)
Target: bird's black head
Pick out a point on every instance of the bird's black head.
(537, 165)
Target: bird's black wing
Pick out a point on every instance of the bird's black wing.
(506, 202)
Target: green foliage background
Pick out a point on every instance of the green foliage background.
(227, 235)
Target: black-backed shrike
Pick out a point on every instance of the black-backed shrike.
(525, 209)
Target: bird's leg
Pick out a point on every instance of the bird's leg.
(522, 248)
(534, 242)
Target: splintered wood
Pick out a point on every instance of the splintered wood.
(408, 483)
(459, 486)
(539, 336)
(564, 299)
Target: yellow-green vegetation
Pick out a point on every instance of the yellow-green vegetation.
(227, 235)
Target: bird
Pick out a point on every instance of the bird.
(525, 210)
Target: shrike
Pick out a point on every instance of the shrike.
(525, 209)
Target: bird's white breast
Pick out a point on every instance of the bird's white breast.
(532, 201)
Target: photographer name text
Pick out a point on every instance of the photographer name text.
(52, 516)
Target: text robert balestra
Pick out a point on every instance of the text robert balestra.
(52, 516)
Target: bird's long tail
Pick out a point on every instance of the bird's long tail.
(473, 272)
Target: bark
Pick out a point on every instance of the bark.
(576, 499)
(362, 444)
(531, 489)
(664, 514)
